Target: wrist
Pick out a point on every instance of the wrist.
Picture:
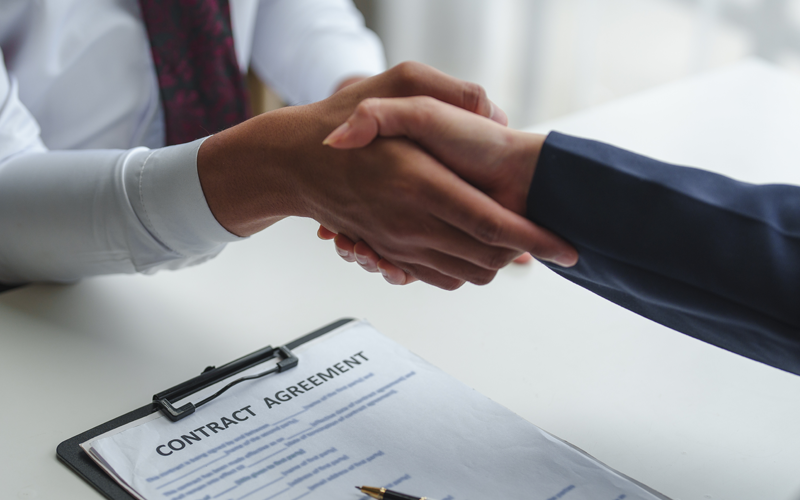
(247, 172)
(525, 149)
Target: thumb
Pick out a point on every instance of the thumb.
(442, 128)
(360, 128)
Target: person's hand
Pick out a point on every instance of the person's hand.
(499, 161)
(390, 194)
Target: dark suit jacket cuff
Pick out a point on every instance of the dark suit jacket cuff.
(706, 255)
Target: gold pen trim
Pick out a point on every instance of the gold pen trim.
(376, 493)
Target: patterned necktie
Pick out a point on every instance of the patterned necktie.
(202, 90)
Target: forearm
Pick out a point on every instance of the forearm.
(708, 256)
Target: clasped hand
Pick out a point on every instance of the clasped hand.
(418, 209)
(499, 161)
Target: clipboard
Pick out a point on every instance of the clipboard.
(79, 461)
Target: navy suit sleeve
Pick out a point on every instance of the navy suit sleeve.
(703, 254)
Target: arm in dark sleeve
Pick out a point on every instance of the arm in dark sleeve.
(703, 254)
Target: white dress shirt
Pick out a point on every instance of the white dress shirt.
(86, 184)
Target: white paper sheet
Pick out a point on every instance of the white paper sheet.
(358, 409)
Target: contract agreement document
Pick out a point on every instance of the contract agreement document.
(358, 409)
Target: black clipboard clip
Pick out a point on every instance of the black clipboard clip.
(212, 375)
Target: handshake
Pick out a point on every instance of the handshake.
(484, 155)
(413, 173)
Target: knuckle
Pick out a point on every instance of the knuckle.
(408, 71)
(473, 96)
(368, 106)
(498, 259)
(490, 231)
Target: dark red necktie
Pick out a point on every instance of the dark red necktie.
(202, 89)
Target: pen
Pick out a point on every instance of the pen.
(384, 494)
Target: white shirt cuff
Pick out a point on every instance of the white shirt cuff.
(165, 191)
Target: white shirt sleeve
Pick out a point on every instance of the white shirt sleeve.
(305, 48)
(65, 215)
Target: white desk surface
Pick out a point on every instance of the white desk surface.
(690, 420)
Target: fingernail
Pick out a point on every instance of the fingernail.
(386, 276)
(336, 135)
(342, 252)
(361, 259)
(565, 259)
(498, 115)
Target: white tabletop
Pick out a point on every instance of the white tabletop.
(688, 419)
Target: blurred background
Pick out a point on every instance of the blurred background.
(540, 59)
